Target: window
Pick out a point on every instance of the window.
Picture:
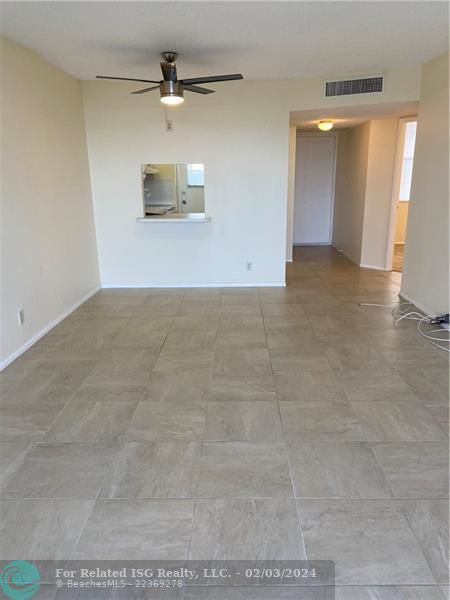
(195, 175)
(407, 166)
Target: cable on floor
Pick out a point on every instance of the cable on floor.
(398, 315)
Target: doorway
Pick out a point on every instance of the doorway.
(401, 193)
(314, 189)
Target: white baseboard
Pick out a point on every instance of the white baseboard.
(300, 244)
(12, 357)
(199, 285)
(374, 267)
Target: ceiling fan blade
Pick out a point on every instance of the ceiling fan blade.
(169, 71)
(212, 78)
(145, 90)
(126, 79)
(197, 89)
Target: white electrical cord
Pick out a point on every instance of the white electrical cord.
(398, 315)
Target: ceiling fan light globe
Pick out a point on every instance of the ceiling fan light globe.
(172, 100)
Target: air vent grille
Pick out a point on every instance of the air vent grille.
(350, 87)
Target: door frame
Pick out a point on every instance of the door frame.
(396, 182)
(334, 135)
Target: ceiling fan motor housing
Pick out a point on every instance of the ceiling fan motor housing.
(171, 88)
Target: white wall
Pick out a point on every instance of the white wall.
(379, 181)
(291, 191)
(426, 270)
(244, 149)
(364, 180)
(241, 134)
(350, 190)
(49, 258)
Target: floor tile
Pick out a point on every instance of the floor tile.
(242, 391)
(369, 540)
(354, 357)
(27, 421)
(246, 529)
(382, 384)
(61, 471)
(336, 470)
(240, 323)
(138, 336)
(195, 323)
(136, 529)
(429, 520)
(199, 309)
(306, 386)
(190, 340)
(397, 421)
(243, 368)
(415, 469)
(168, 420)
(414, 357)
(294, 338)
(243, 470)
(254, 421)
(294, 360)
(113, 386)
(389, 592)
(247, 338)
(12, 455)
(126, 360)
(32, 528)
(91, 422)
(183, 360)
(250, 299)
(320, 421)
(153, 470)
(428, 384)
(272, 323)
(282, 310)
(186, 385)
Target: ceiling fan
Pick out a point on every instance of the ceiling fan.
(172, 88)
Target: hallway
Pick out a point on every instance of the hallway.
(237, 423)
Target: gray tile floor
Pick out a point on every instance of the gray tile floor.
(236, 423)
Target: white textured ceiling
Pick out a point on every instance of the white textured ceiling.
(351, 116)
(263, 40)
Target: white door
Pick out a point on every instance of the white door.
(314, 189)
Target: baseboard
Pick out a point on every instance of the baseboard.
(374, 267)
(311, 244)
(199, 285)
(12, 357)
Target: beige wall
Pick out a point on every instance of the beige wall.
(426, 270)
(350, 191)
(378, 201)
(49, 258)
(401, 221)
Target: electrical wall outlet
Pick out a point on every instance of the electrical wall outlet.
(249, 266)
(169, 125)
(21, 316)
